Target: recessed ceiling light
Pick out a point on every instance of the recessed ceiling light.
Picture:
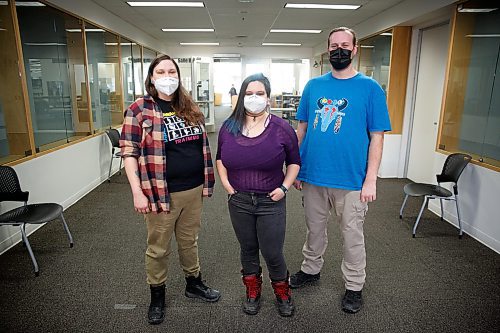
(281, 44)
(122, 44)
(320, 6)
(188, 30)
(45, 44)
(204, 44)
(165, 4)
(467, 8)
(29, 4)
(86, 30)
(302, 31)
(484, 36)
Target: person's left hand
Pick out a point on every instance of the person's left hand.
(369, 191)
(277, 194)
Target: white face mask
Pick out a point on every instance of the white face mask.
(254, 103)
(166, 85)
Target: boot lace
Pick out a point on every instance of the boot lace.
(252, 283)
(282, 290)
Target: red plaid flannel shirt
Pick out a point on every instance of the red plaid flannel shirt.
(142, 138)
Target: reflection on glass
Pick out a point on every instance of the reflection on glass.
(374, 56)
(104, 78)
(53, 58)
(14, 138)
(127, 72)
(471, 120)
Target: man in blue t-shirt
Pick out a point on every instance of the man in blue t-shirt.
(342, 119)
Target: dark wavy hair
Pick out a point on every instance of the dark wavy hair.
(234, 124)
(182, 103)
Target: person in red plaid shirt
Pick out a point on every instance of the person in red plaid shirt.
(169, 167)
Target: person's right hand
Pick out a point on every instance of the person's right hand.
(297, 184)
(229, 189)
(141, 203)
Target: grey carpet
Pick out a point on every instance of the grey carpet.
(433, 283)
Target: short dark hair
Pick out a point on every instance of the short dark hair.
(342, 29)
(234, 123)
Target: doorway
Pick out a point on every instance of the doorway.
(429, 91)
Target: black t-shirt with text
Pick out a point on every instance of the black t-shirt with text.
(184, 150)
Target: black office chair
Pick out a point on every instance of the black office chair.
(10, 190)
(452, 169)
(114, 137)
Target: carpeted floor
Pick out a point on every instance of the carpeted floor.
(433, 283)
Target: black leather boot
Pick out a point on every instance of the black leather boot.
(284, 300)
(253, 284)
(195, 288)
(156, 312)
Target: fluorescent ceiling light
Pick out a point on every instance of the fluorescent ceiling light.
(45, 44)
(165, 4)
(2, 29)
(302, 31)
(30, 4)
(122, 44)
(86, 30)
(188, 30)
(464, 8)
(24, 4)
(367, 46)
(484, 36)
(281, 44)
(386, 34)
(205, 44)
(320, 6)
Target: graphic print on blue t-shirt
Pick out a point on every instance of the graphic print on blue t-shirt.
(177, 131)
(330, 109)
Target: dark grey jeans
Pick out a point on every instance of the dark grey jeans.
(259, 223)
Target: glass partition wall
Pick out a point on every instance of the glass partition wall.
(471, 112)
(53, 60)
(61, 78)
(14, 134)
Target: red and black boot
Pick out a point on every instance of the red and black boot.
(253, 283)
(284, 300)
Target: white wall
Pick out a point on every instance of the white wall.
(478, 192)
(64, 177)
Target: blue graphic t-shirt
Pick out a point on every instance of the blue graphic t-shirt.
(340, 114)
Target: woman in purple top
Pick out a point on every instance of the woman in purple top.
(253, 146)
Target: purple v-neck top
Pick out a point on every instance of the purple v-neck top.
(256, 164)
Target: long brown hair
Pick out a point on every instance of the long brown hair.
(182, 103)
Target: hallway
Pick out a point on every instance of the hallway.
(433, 283)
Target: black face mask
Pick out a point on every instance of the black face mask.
(340, 58)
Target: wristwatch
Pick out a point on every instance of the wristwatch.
(283, 188)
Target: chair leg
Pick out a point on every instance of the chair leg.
(121, 160)
(70, 238)
(30, 251)
(402, 207)
(109, 172)
(441, 203)
(458, 216)
(419, 215)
